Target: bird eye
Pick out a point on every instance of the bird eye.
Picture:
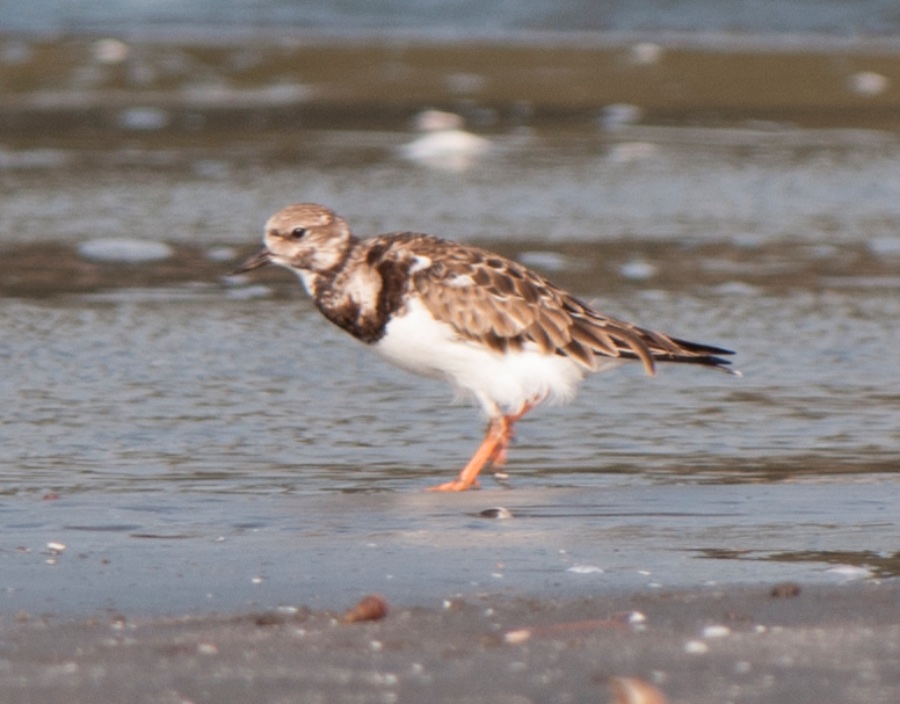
(298, 233)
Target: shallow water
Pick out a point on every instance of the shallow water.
(843, 17)
(201, 442)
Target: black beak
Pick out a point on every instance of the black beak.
(261, 258)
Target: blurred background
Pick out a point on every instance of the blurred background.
(722, 170)
(252, 65)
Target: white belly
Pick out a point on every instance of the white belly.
(499, 382)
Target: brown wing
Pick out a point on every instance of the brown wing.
(489, 298)
(503, 304)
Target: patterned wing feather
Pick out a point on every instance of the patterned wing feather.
(493, 300)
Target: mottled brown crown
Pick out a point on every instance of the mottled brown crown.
(308, 237)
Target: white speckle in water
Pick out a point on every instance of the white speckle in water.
(585, 569)
(247, 293)
(868, 83)
(110, 51)
(221, 254)
(14, 52)
(627, 152)
(646, 53)
(637, 270)
(715, 631)
(850, 572)
(737, 288)
(144, 119)
(696, 647)
(618, 115)
(548, 261)
(445, 145)
(889, 245)
(124, 250)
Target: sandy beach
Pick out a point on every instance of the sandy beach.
(762, 644)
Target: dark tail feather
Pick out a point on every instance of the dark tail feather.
(698, 347)
(706, 355)
(705, 360)
(694, 353)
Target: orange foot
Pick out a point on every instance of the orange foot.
(492, 450)
(456, 485)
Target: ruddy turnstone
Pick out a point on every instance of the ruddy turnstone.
(495, 330)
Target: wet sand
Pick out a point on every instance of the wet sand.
(766, 644)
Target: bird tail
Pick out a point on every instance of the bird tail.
(687, 352)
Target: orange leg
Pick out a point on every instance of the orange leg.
(491, 451)
(498, 459)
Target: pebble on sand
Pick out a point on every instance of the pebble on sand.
(370, 608)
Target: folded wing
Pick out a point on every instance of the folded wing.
(493, 300)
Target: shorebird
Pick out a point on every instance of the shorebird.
(495, 330)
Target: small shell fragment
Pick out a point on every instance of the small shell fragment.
(696, 647)
(207, 648)
(56, 547)
(634, 617)
(849, 572)
(715, 631)
(518, 636)
(631, 690)
(370, 608)
(498, 512)
(646, 53)
(785, 590)
(585, 569)
(868, 83)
